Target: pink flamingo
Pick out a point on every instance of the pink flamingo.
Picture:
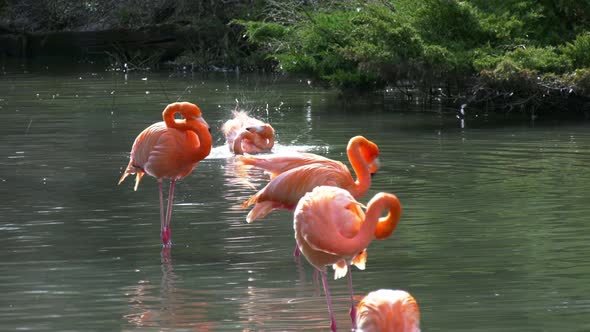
(388, 311)
(330, 227)
(245, 134)
(170, 149)
(291, 183)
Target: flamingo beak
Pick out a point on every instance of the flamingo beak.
(201, 120)
(255, 129)
(374, 166)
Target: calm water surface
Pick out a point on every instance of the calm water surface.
(494, 237)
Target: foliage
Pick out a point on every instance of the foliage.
(351, 44)
(542, 59)
(578, 51)
(377, 43)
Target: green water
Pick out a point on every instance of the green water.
(494, 236)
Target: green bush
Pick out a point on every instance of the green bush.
(578, 51)
(543, 59)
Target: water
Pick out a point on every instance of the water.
(494, 235)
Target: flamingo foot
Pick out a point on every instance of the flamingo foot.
(166, 237)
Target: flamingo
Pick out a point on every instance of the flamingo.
(170, 149)
(245, 134)
(331, 229)
(388, 311)
(278, 163)
(290, 184)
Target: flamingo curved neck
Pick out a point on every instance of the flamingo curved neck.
(237, 145)
(201, 130)
(171, 122)
(359, 165)
(348, 247)
(385, 225)
(260, 141)
(205, 141)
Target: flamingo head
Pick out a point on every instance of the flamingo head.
(192, 114)
(388, 310)
(370, 153)
(264, 130)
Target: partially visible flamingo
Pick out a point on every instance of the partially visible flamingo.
(170, 149)
(387, 310)
(330, 227)
(245, 134)
(291, 183)
(278, 163)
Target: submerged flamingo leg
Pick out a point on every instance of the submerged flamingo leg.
(352, 307)
(166, 236)
(329, 300)
(296, 252)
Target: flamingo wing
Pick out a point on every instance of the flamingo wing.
(329, 214)
(278, 163)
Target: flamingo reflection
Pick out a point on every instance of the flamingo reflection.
(173, 307)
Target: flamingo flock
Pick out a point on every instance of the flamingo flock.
(331, 227)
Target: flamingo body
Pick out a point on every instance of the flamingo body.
(170, 149)
(328, 222)
(161, 151)
(290, 184)
(387, 310)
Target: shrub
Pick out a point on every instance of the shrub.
(578, 51)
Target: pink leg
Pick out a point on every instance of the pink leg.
(296, 252)
(352, 307)
(162, 217)
(329, 300)
(316, 282)
(166, 236)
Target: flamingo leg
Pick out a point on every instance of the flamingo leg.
(352, 307)
(316, 281)
(162, 220)
(296, 252)
(166, 236)
(329, 300)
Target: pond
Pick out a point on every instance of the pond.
(494, 235)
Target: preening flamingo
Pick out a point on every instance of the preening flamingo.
(387, 310)
(245, 134)
(290, 184)
(170, 149)
(331, 227)
(278, 163)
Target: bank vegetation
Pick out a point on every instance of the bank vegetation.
(504, 55)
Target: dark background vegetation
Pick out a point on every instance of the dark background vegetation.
(505, 55)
